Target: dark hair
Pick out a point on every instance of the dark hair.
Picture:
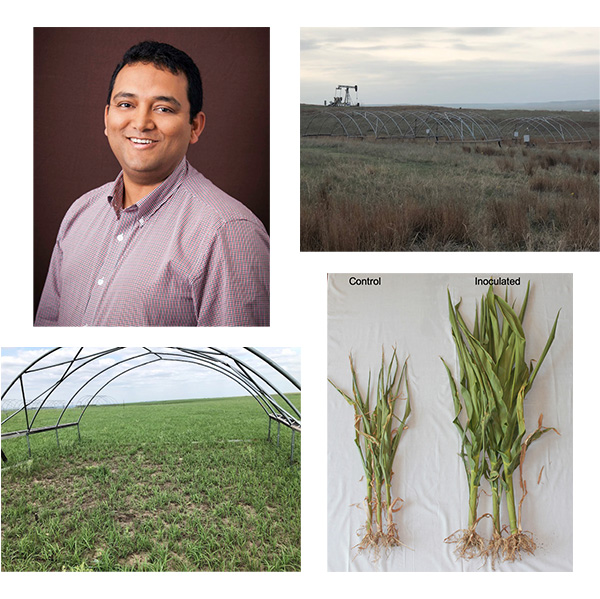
(164, 56)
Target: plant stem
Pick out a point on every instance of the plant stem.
(369, 507)
(473, 492)
(388, 499)
(510, 504)
(378, 505)
(496, 505)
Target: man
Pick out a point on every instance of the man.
(161, 245)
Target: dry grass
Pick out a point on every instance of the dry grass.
(377, 196)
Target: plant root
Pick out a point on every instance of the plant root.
(469, 544)
(391, 538)
(376, 542)
(495, 549)
(517, 544)
(369, 543)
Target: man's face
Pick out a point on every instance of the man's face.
(148, 122)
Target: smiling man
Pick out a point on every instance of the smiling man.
(161, 245)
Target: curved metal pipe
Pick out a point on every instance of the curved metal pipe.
(287, 401)
(274, 365)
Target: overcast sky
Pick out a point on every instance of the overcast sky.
(450, 66)
(157, 381)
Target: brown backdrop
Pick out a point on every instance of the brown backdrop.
(72, 70)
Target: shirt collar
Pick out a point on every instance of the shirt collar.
(148, 205)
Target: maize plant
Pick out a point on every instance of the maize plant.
(494, 382)
(377, 433)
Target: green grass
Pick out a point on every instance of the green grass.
(178, 486)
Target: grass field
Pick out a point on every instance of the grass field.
(178, 486)
(383, 195)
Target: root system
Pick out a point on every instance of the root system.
(517, 544)
(469, 543)
(375, 542)
(495, 549)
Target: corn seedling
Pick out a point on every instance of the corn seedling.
(494, 381)
(377, 439)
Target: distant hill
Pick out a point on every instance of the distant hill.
(572, 105)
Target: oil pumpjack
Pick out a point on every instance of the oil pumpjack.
(346, 99)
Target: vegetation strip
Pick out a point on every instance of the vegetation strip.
(378, 195)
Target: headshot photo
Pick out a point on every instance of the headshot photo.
(151, 177)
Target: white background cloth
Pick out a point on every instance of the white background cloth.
(410, 312)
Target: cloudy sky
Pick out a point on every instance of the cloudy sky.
(158, 381)
(450, 66)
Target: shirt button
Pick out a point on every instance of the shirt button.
(100, 281)
(141, 221)
(120, 237)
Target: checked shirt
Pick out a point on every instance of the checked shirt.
(187, 254)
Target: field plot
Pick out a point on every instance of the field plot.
(381, 190)
(175, 485)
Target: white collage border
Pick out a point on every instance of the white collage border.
(298, 285)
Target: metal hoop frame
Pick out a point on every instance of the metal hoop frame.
(549, 129)
(458, 126)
